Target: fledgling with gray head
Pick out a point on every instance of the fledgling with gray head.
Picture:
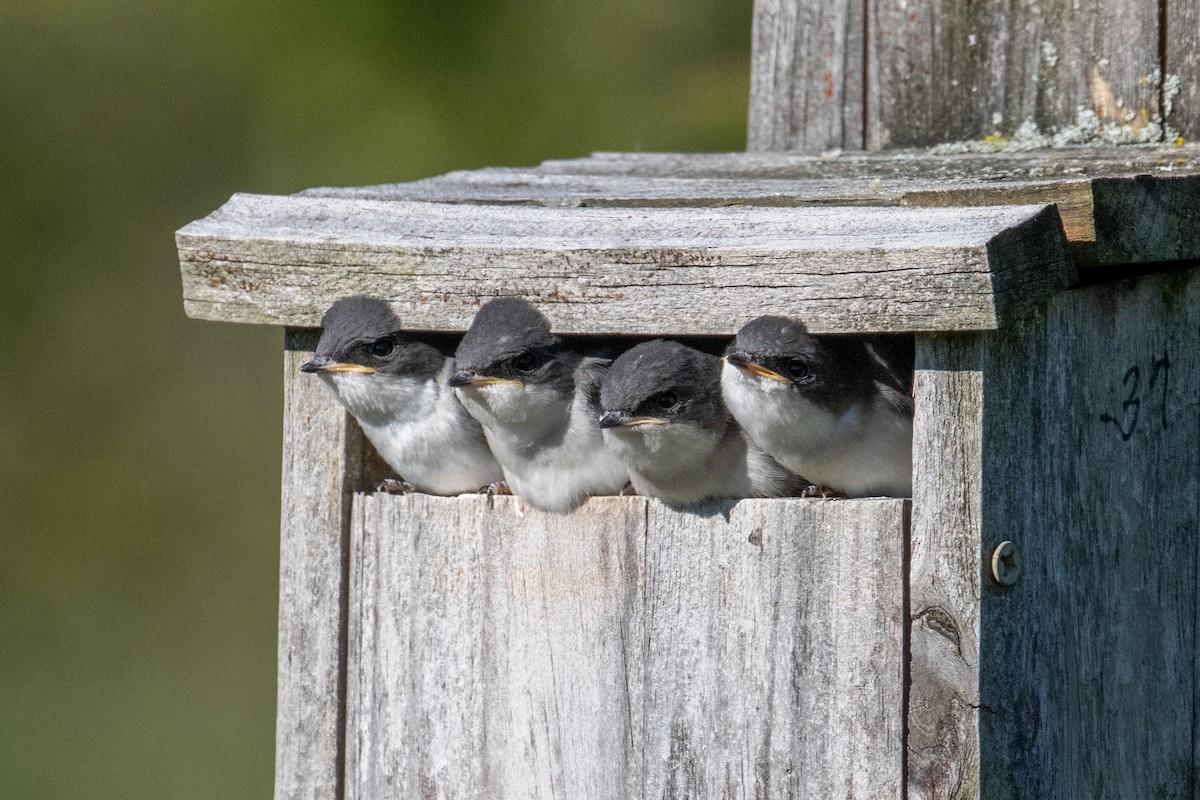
(830, 408)
(397, 388)
(664, 416)
(537, 401)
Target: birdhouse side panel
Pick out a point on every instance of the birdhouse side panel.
(1091, 442)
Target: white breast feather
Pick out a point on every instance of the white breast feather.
(552, 453)
(420, 430)
(863, 452)
(684, 465)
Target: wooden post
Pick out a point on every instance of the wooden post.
(1051, 72)
(807, 77)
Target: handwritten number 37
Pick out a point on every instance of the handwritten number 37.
(1132, 404)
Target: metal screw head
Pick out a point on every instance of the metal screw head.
(1006, 564)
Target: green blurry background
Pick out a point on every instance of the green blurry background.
(139, 450)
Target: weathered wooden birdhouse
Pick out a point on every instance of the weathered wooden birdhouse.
(1024, 627)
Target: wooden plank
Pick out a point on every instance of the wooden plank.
(496, 650)
(1089, 661)
(598, 271)
(1181, 68)
(944, 570)
(935, 164)
(1075, 200)
(534, 187)
(1108, 184)
(1069, 70)
(626, 650)
(322, 459)
(776, 641)
(1146, 196)
(1074, 196)
(806, 76)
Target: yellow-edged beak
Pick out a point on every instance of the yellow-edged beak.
(763, 372)
(356, 369)
(328, 366)
(748, 364)
(622, 419)
(472, 380)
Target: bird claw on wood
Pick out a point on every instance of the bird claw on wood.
(395, 486)
(497, 488)
(824, 492)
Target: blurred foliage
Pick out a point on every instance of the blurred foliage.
(139, 450)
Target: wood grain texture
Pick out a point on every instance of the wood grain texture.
(933, 164)
(1085, 183)
(1181, 88)
(285, 259)
(775, 662)
(944, 571)
(626, 650)
(321, 463)
(537, 187)
(806, 76)
(1074, 196)
(1088, 663)
(1072, 70)
(1146, 220)
(494, 653)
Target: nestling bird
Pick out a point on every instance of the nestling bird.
(833, 409)
(664, 416)
(537, 401)
(396, 387)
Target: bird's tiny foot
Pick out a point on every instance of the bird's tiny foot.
(823, 492)
(396, 486)
(497, 488)
(627, 490)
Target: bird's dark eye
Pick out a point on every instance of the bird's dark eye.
(524, 362)
(665, 400)
(381, 348)
(799, 370)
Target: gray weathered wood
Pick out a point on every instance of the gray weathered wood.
(806, 76)
(1088, 663)
(961, 71)
(1077, 197)
(321, 464)
(1073, 432)
(626, 650)
(1071, 178)
(537, 187)
(495, 652)
(944, 571)
(1181, 87)
(934, 164)
(775, 662)
(1147, 198)
(1068, 70)
(1146, 220)
(285, 259)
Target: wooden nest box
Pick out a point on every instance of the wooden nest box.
(1024, 627)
